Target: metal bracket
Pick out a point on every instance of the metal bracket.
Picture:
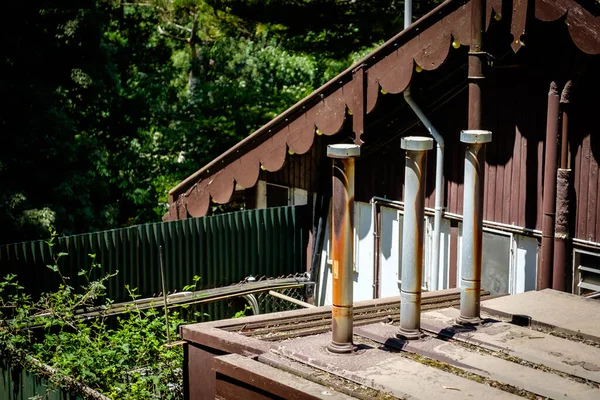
(489, 58)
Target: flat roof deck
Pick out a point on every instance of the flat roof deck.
(283, 355)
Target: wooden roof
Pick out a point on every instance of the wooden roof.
(354, 93)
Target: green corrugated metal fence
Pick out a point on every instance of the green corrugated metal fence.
(222, 250)
(19, 384)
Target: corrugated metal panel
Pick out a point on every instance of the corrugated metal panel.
(20, 384)
(222, 250)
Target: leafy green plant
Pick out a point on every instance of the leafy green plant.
(123, 358)
(242, 313)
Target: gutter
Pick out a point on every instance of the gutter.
(439, 187)
(544, 275)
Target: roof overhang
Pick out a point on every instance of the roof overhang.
(355, 92)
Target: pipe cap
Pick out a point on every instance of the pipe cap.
(475, 136)
(416, 143)
(343, 150)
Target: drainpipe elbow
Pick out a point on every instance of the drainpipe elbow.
(407, 95)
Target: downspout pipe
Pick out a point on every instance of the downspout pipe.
(544, 276)
(563, 184)
(439, 187)
(407, 13)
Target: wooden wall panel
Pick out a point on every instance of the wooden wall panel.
(514, 160)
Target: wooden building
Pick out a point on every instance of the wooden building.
(539, 89)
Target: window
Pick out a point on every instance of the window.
(273, 195)
(497, 261)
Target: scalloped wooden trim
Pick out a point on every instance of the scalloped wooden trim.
(492, 7)
(584, 28)
(392, 74)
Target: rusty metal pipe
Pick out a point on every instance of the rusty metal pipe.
(476, 61)
(475, 139)
(563, 182)
(412, 235)
(472, 235)
(342, 223)
(544, 276)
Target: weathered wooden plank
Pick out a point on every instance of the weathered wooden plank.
(582, 195)
(592, 210)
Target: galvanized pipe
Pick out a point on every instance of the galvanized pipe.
(474, 137)
(412, 235)
(470, 281)
(439, 187)
(407, 13)
(342, 223)
(544, 276)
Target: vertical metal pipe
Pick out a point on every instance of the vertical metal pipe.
(544, 276)
(439, 187)
(377, 247)
(412, 235)
(476, 56)
(342, 223)
(563, 182)
(164, 290)
(407, 13)
(561, 229)
(470, 281)
(474, 137)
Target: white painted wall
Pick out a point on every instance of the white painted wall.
(523, 257)
(444, 260)
(390, 259)
(523, 260)
(363, 257)
(297, 197)
(526, 258)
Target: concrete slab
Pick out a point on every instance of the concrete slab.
(574, 358)
(577, 315)
(386, 371)
(485, 365)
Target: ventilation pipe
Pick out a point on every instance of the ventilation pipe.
(342, 223)
(470, 281)
(412, 235)
(439, 187)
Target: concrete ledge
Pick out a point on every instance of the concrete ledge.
(562, 312)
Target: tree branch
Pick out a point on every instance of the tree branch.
(163, 32)
(138, 4)
(179, 26)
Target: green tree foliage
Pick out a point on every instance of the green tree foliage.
(109, 104)
(334, 28)
(124, 358)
